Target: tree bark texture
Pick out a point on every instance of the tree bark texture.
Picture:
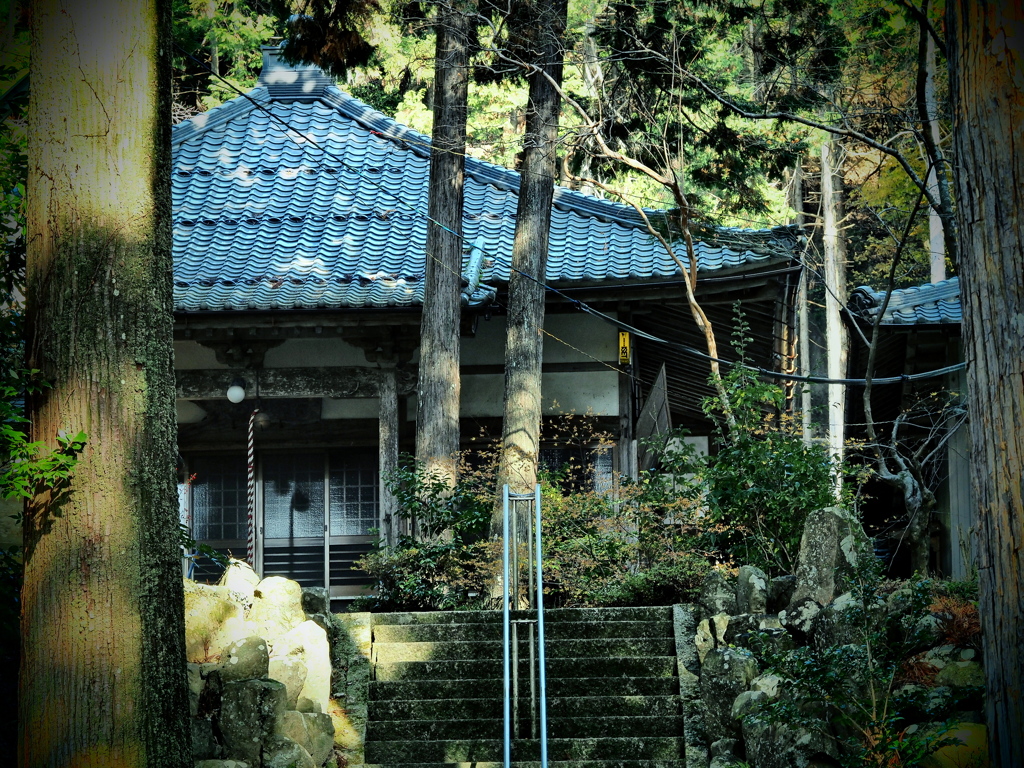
(987, 82)
(103, 658)
(524, 340)
(437, 422)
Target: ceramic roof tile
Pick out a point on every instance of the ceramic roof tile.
(331, 211)
(928, 304)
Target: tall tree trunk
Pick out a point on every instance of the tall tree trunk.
(211, 14)
(103, 659)
(524, 342)
(987, 80)
(939, 220)
(837, 342)
(803, 311)
(437, 422)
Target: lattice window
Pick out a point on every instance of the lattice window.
(354, 484)
(219, 503)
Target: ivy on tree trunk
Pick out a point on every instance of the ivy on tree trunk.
(103, 657)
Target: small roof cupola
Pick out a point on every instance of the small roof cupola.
(291, 82)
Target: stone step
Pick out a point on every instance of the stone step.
(551, 616)
(491, 728)
(551, 764)
(477, 708)
(612, 667)
(388, 690)
(425, 633)
(481, 649)
(472, 750)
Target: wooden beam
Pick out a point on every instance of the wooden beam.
(388, 425)
(342, 381)
(350, 381)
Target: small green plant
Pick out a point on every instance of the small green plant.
(764, 479)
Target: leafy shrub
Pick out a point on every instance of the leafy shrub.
(664, 583)
(633, 545)
(764, 479)
(442, 560)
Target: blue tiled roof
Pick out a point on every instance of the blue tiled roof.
(332, 213)
(928, 304)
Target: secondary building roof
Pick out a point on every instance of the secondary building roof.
(928, 304)
(301, 196)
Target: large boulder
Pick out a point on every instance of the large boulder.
(752, 588)
(799, 617)
(316, 600)
(290, 670)
(282, 752)
(724, 675)
(961, 674)
(204, 744)
(240, 578)
(718, 594)
(710, 634)
(276, 608)
(308, 642)
(775, 745)
(756, 631)
(723, 754)
(830, 547)
(245, 659)
(195, 688)
(314, 731)
(210, 612)
(249, 712)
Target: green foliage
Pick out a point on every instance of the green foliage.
(653, 52)
(442, 562)
(637, 544)
(634, 544)
(13, 173)
(237, 30)
(29, 468)
(857, 688)
(764, 479)
(195, 550)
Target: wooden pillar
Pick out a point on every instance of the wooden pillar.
(388, 453)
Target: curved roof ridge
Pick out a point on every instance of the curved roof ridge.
(929, 303)
(222, 113)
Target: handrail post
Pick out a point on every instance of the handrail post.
(505, 631)
(540, 636)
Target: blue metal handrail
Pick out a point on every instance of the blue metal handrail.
(536, 593)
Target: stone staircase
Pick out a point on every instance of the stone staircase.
(613, 694)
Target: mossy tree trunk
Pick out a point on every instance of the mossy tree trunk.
(438, 388)
(103, 661)
(987, 84)
(524, 341)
